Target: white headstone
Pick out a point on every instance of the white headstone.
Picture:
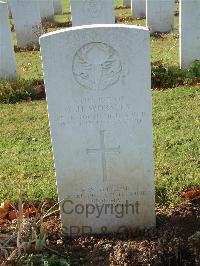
(87, 12)
(101, 126)
(9, 8)
(27, 21)
(138, 8)
(160, 15)
(7, 55)
(46, 9)
(189, 32)
(127, 3)
(57, 4)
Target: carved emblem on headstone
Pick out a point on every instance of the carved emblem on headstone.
(96, 66)
(92, 7)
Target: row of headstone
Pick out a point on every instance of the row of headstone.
(28, 27)
(28, 16)
(159, 13)
(159, 18)
(27, 23)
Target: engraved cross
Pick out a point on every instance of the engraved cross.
(103, 150)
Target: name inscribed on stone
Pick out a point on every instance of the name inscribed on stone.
(101, 111)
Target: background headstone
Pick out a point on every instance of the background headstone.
(27, 21)
(57, 4)
(46, 9)
(101, 126)
(189, 32)
(7, 55)
(127, 3)
(92, 12)
(160, 15)
(138, 8)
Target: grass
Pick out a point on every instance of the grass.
(29, 65)
(26, 149)
(176, 124)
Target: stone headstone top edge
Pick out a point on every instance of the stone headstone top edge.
(93, 27)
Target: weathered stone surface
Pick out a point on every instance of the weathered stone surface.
(88, 12)
(138, 8)
(27, 21)
(57, 4)
(7, 55)
(189, 32)
(99, 104)
(46, 9)
(160, 15)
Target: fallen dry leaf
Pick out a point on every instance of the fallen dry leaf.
(197, 84)
(3, 213)
(2, 221)
(30, 212)
(6, 205)
(12, 215)
(191, 194)
(4, 209)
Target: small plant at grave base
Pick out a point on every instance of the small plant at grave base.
(27, 238)
(172, 76)
(42, 260)
(30, 235)
(12, 91)
(195, 69)
(30, 47)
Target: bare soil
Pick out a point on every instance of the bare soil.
(174, 241)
